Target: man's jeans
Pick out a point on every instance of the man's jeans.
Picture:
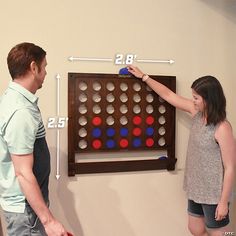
(24, 224)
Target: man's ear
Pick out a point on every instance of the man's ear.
(33, 67)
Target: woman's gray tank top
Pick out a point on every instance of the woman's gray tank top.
(203, 179)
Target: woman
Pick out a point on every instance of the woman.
(211, 153)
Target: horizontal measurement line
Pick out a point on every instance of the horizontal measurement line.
(89, 59)
(155, 61)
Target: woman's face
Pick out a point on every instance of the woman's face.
(198, 101)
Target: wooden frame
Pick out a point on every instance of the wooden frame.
(74, 81)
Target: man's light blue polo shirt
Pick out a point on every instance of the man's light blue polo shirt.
(20, 125)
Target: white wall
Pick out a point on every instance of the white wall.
(199, 35)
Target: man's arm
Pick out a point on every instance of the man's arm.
(23, 165)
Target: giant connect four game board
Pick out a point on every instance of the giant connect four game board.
(118, 113)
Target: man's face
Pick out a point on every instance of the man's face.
(41, 73)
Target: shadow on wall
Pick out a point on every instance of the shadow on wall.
(67, 202)
(226, 8)
(99, 204)
(62, 202)
(101, 207)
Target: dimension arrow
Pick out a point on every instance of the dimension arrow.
(58, 131)
(58, 155)
(58, 94)
(120, 59)
(88, 59)
(155, 61)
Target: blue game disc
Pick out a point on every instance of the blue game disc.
(110, 143)
(110, 132)
(124, 132)
(149, 131)
(137, 142)
(124, 71)
(96, 132)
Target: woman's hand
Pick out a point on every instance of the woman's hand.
(135, 71)
(221, 211)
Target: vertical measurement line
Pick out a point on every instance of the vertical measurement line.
(58, 131)
(58, 94)
(58, 154)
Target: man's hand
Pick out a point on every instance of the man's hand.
(55, 228)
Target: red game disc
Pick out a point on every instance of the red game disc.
(97, 144)
(97, 121)
(149, 120)
(124, 143)
(149, 142)
(137, 120)
(137, 131)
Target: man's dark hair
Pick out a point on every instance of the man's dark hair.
(210, 89)
(21, 56)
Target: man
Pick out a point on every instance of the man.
(24, 154)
